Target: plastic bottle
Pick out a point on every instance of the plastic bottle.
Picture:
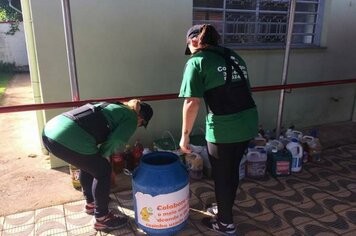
(314, 148)
(118, 162)
(129, 159)
(261, 131)
(74, 171)
(259, 141)
(289, 134)
(256, 163)
(297, 134)
(274, 143)
(305, 146)
(194, 163)
(137, 151)
(280, 163)
(242, 167)
(297, 154)
(268, 134)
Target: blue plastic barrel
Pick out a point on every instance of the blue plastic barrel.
(160, 186)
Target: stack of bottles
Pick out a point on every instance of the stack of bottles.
(281, 156)
(128, 159)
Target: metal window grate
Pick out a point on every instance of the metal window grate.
(261, 22)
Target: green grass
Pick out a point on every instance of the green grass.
(4, 79)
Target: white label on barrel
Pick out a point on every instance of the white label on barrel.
(163, 211)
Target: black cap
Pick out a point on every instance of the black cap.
(146, 113)
(194, 31)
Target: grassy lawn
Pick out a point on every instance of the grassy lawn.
(4, 79)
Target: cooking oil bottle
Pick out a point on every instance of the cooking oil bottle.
(74, 172)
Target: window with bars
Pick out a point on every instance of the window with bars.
(261, 23)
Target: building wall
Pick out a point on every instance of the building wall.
(13, 47)
(333, 61)
(134, 48)
(123, 48)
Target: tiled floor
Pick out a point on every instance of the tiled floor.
(320, 200)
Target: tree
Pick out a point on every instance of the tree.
(9, 14)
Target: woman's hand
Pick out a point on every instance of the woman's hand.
(184, 144)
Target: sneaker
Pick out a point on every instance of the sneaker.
(213, 209)
(219, 227)
(89, 208)
(110, 222)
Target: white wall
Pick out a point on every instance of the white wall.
(13, 47)
(335, 60)
(123, 48)
(134, 48)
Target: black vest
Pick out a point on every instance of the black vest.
(92, 120)
(232, 97)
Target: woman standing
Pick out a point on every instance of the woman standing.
(219, 76)
(86, 137)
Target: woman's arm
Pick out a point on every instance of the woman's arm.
(190, 112)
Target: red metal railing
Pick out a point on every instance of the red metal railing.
(33, 107)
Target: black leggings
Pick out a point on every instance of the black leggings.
(95, 173)
(225, 161)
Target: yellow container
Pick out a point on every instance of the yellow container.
(74, 173)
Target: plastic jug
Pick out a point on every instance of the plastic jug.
(280, 162)
(256, 164)
(194, 163)
(297, 154)
(314, 148)
(260, 148)
(274, 143)
(203, 152)
(289, 134)
(297, 134)
(305, 146)
(242, 167)
(259, 141)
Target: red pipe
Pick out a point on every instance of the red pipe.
(33, 107)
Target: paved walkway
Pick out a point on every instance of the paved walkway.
(320, 200)
(27, 181)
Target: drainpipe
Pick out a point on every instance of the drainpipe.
(33, 65)
(285, 66)
(10, 4)
(68, 33)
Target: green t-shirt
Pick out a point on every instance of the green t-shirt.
(123, 123)
(206, 70)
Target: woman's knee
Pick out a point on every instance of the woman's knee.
(103, 171)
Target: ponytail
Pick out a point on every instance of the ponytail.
(209, 35)
(133, 104)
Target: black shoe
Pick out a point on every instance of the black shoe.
(219, 227)
(110, 222)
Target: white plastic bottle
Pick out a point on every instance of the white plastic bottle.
(242, 170)
(256, 164)
(289, 134)
(297, 154)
